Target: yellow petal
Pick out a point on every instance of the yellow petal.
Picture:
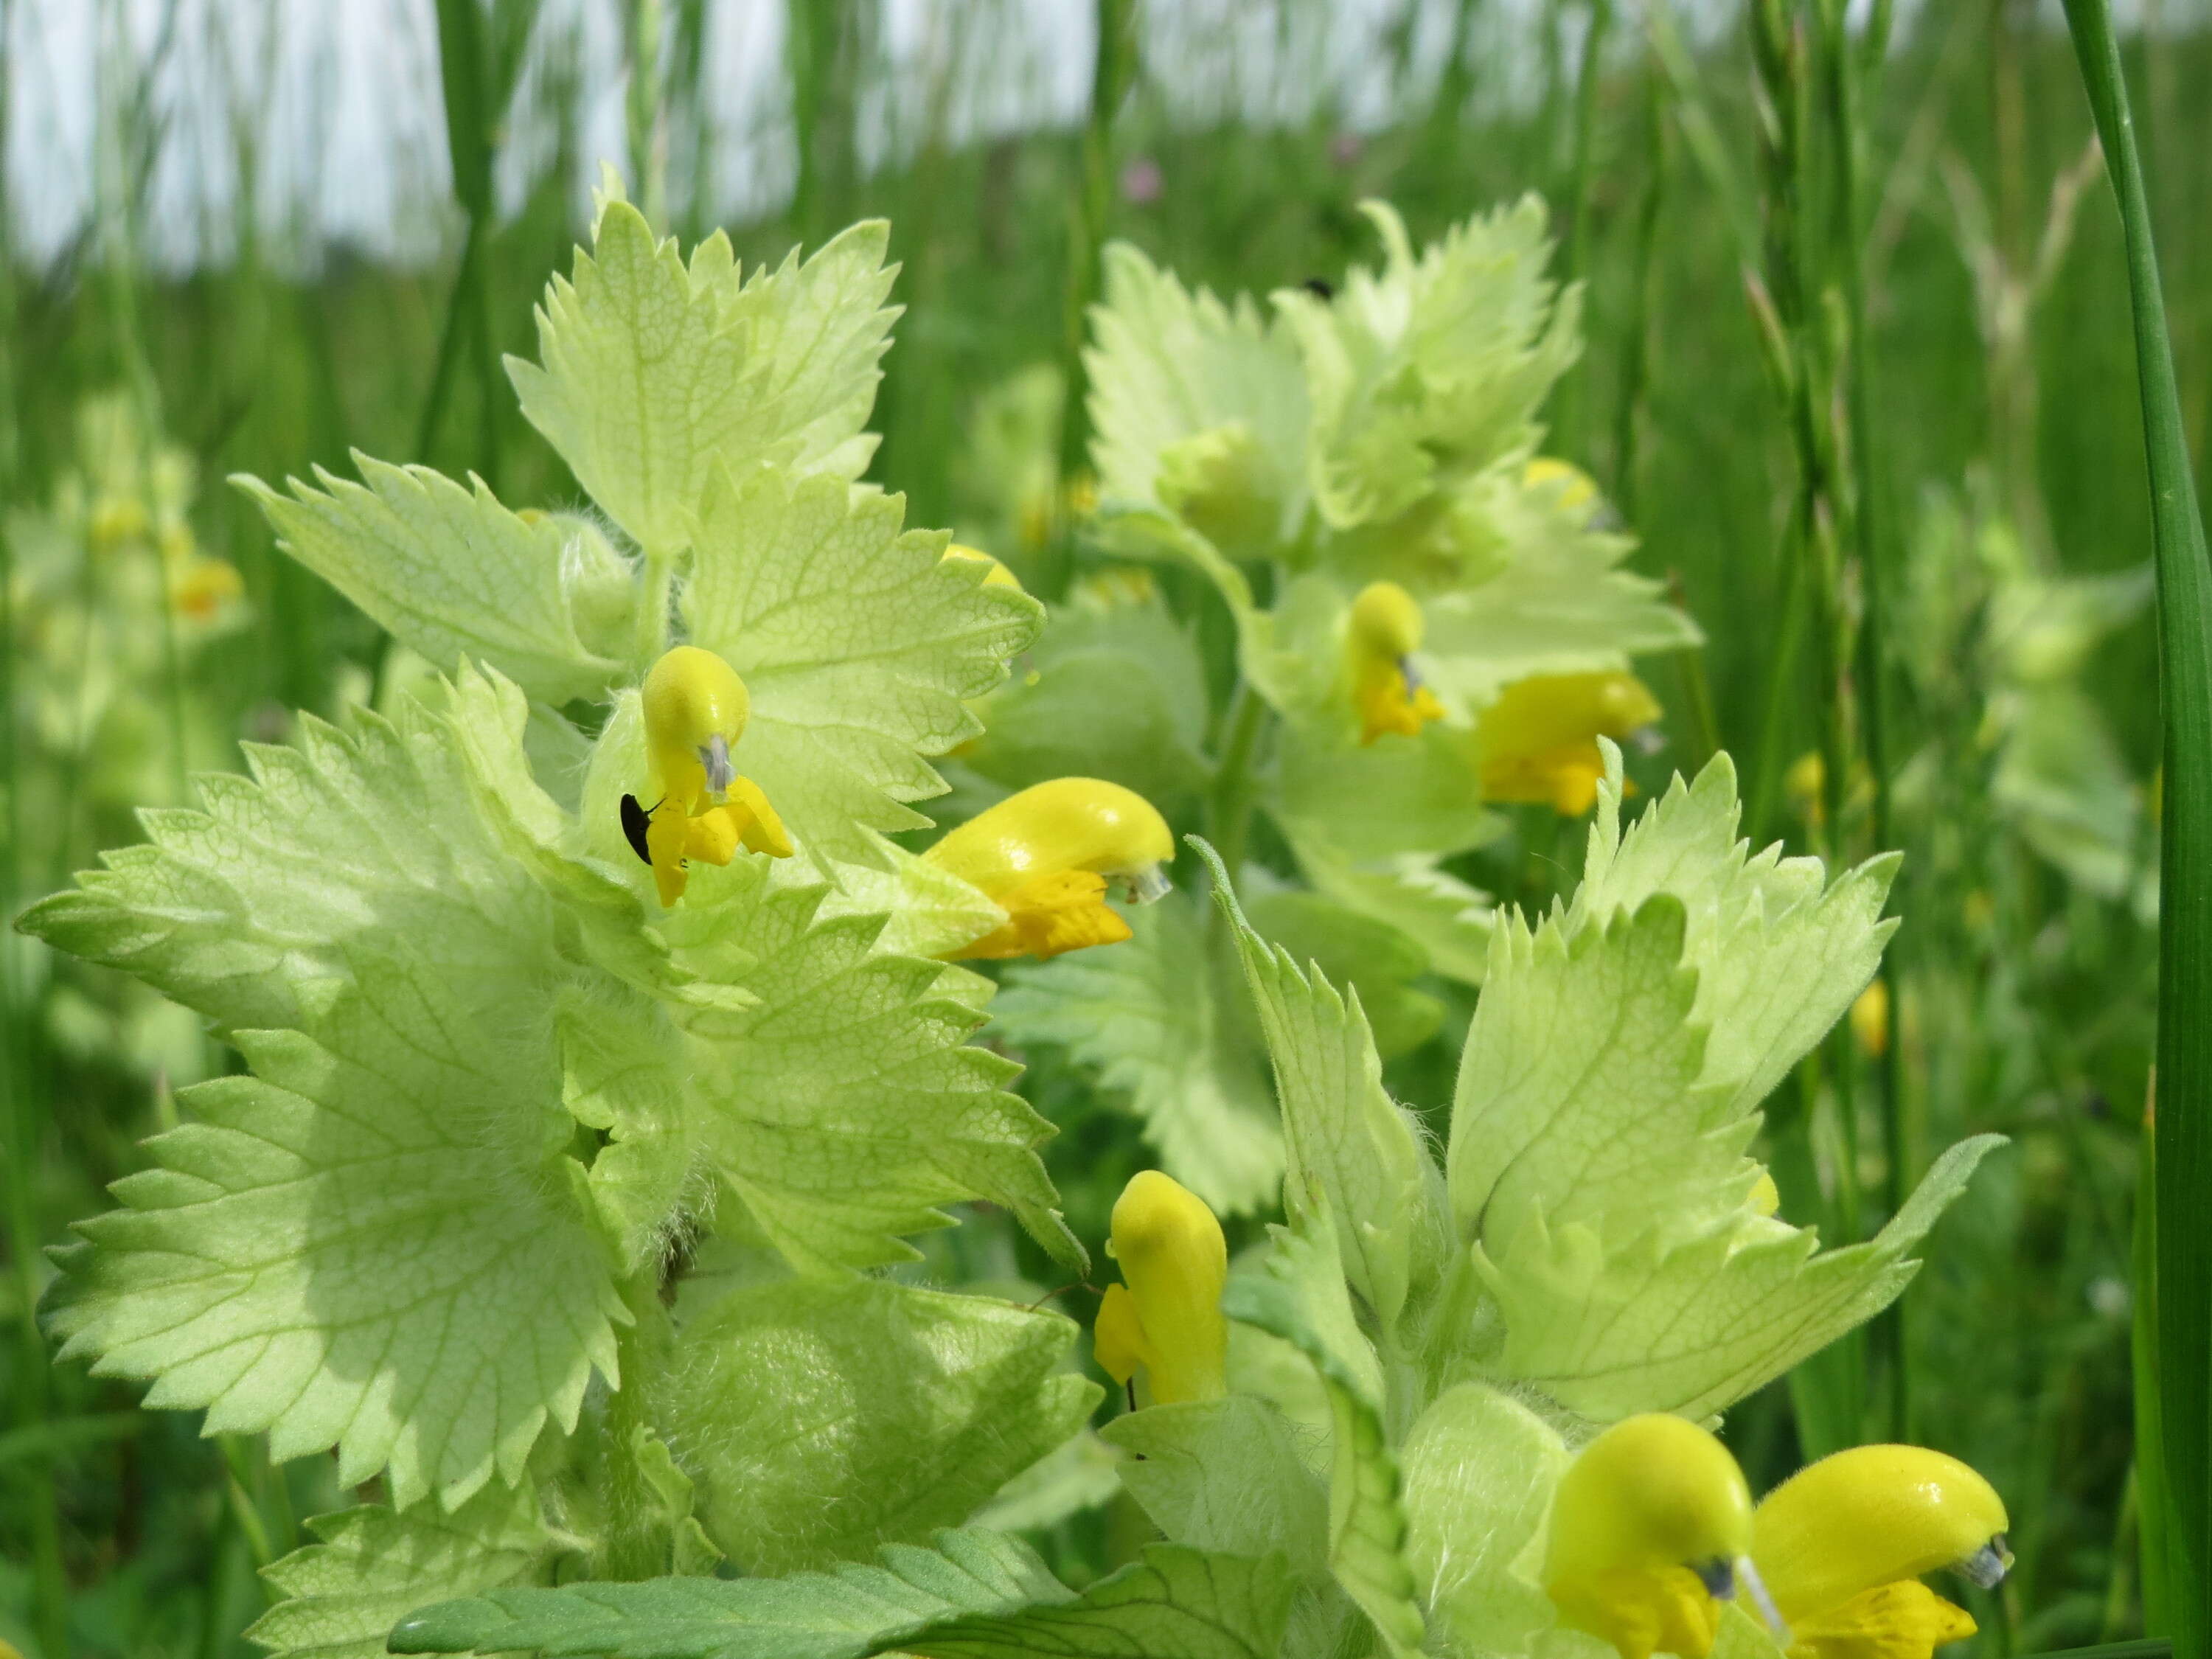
(1642, 1610)
(1906, 1621)
(1117, 1338)
(1050, 829)
(996, 576)
(1174, 1263)
(758, 826)
(1870, 1019)
(1539, 738)
(667, 833)
(1873, 1515)
(1049, 916)
(1642, 1509)
(692, 699)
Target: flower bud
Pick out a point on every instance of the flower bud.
(1165, 1316)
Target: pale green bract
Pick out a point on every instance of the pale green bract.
(1591, 1247)
(975, 1594)
(434, 999)
(823, 1418)
(856, 642)
(1433, 367)
(453, 573)
(1197, 406)
(1151, 1019)
(372, 1567)
(656, 371)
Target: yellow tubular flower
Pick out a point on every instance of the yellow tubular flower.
(1869, 1018)
(1540, 738)
(1046, 856)
(1842, 1544)
(1165, 1316)
(997, 576)
(1650, 1524)
(695, 710)
(1384, 632)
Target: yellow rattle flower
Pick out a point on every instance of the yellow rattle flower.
(1046, 856)
(1165, 1317)
(696, 709)
(997, 576)
(1384, 632)
(1540, 738)
(1650, 1524)
(1842, 1544)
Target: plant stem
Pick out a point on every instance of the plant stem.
(649, 146)
(2183, 1243)
(637, 1533)
(1116, 22)
(1228, 815)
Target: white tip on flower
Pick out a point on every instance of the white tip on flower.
(1148, 883)
(1754, 1587)
(714, 758)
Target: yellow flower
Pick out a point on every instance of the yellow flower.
(1842, 1544)
(1165, 1316)
(696, 709)
(201, 587)
(1384, 632)
(1869, 1018)
(1650, 1524)
(998, 575)
(1540, 738)
(1576, 488)
(115, 520)
(1045, 856)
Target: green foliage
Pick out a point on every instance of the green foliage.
(657, 372)
(975, 1594)
(452, 572)
(856, 642)
(1157, 1020)
(825, 1418)
(372, 1567)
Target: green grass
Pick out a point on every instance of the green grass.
(2027, 1002)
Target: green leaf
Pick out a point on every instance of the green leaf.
(1371, 958)
(378, 1242)
(1479, 1471)
(1156, 1018)
(1170, 1604)
(452, 573)
(929, 911)
(372, 1567)
(844, 1105)
(1432, 368)
(655, 372)
(979, 1595)
(1780, 953)
(1690, 1319)
(821, 1418)
(1447, 919)
(856, 642)
(1343, 1138)
(1114, 692)
(1399, 795)
(1302, 1300)
(1226, 1475)
(1536, 587)
(1076, 1476)
(1196, 406)
(855, 1610)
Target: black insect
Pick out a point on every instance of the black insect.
(1321, 286)
(635, 820)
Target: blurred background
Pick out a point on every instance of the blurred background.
(252, 236)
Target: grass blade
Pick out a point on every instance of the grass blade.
(2184, 1127)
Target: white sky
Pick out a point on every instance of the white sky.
(338, 105)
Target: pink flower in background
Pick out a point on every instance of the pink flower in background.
(1345, 149)
(1141, 181)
